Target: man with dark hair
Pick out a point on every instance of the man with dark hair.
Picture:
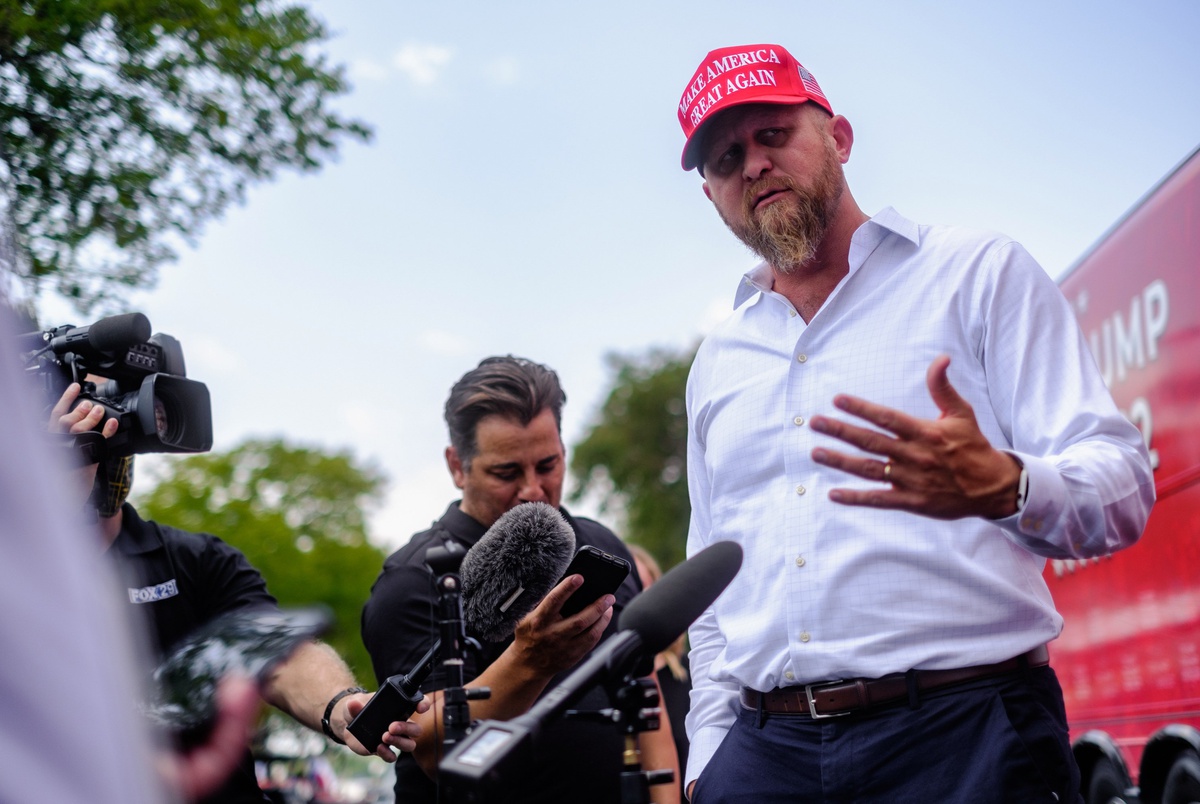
(899, 423)
(506, 391)
(505, 450)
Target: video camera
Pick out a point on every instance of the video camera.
(145, 387)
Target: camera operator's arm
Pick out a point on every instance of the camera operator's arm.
(544, 645)
(67, 417)
(313, 676)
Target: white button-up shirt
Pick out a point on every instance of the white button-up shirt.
(830, 591)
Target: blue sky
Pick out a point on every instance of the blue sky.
(523, 193)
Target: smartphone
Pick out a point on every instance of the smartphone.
(602, 574)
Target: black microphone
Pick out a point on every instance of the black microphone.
(106, 335)
(512, 567)
(504, 576)
(478, 769)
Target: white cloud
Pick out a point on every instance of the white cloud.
(422, 63)
(504, 71)
(441, 342)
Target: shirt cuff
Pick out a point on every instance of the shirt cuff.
(1036, 525)
(703, 745)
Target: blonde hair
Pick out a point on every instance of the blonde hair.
(673, 653)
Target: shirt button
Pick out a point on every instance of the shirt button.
(799, 420)
(801, 358)
(805, 636)
(789, 675)
(800, 489)
(800, 562)
(791, 313)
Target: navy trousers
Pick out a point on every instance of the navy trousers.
(994, 741)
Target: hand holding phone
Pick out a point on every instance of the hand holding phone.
(602, 574)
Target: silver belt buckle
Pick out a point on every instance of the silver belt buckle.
(812, 701)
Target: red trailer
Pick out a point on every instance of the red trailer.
(1129, 654)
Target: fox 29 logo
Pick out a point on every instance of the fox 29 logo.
(149, 594)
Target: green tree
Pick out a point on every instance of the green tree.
(635, 455)
(127, 123)
(298, 514)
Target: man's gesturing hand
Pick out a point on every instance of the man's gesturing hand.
(943, 468)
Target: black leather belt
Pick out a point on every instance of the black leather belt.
(846, 696)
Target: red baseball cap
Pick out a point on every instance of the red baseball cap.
(731, 76)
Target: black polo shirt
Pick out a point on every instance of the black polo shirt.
(178, 581)
(577, 762)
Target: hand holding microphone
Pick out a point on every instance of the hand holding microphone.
(482, 768)
(398, 736)
(510, 583)
(513, 566)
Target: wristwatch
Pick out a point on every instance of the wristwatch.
(1022, 488)
(325, 726)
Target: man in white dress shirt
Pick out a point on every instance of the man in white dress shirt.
(899, 424)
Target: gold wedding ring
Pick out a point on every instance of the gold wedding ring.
(887, 471)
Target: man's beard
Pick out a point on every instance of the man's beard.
(787, 235)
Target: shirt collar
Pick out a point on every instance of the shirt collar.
(761, 279)
(136, 537)
(462, 526)
(885, 221)
(468, 530)
(758, 280)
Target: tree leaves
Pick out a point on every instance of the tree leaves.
(125, 125)
(634, 457)
(299, 515)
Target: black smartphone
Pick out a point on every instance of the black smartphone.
(602, 573)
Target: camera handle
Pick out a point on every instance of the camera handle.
(456, 713)
(634, 710)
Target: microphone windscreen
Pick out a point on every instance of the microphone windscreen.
(118, 331)
(665, 610)
(512, 567)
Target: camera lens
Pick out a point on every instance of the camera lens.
(161, 422)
